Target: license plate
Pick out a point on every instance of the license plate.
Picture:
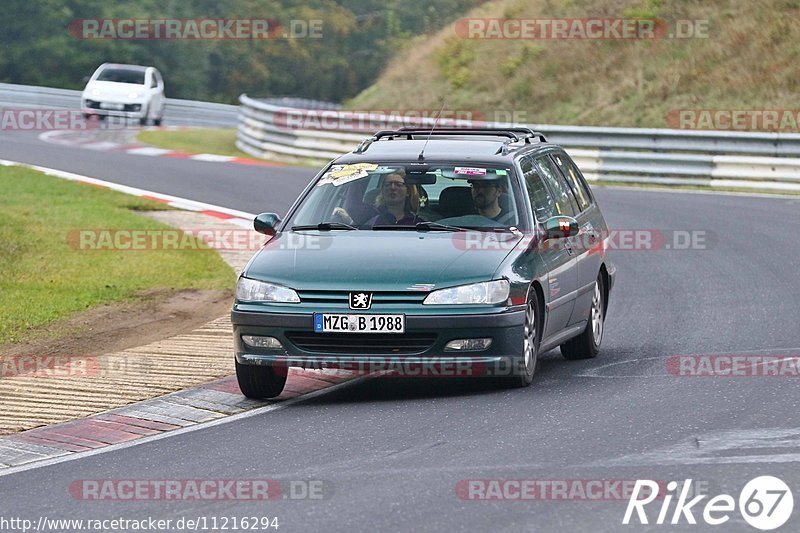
(116, 107)
(349, 323)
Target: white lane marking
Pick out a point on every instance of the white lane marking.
(182, 203)
(175, 432)
(720, 447)
(596, 371)
(212, 157)
(101, 145)
(148, 150)
(53, 137)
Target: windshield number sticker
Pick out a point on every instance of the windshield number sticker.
(470, 171)
(341, 174)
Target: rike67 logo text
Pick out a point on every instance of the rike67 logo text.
(765, 503)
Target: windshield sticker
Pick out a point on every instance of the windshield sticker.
(501, 172)
(341, 174)
(470, 171)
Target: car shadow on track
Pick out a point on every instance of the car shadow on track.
(383, 389)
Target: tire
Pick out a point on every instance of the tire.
(260, 381)
(531, 336)
(587, 344)
(157, 122)
(143, 121)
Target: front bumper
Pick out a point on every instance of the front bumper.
(427, 358)
(132, 110)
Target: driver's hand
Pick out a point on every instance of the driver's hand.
(342, 214)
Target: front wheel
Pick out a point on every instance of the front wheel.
(587, 344)
(523, 373)
(260, 381)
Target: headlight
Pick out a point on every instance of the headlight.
(250, 290)
(133, 95)
(488, 292)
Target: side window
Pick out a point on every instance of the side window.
(153, 80)
(575, 179)
(542, 202)
(564, 200)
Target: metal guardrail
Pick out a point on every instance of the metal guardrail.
(636, 155)
(178, 112)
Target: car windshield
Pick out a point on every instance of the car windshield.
(122, 75)
(410, 196)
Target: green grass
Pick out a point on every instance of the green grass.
(220, 141)
(43, 277)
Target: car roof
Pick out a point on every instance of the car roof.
(445, 147)
(120, 65)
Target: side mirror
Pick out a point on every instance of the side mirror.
(266, 223)
(560, 227)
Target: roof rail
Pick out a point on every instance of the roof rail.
(518, 133)
(512, 135)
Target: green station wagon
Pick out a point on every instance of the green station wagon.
(452, 252)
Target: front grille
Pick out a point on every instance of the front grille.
(343, 297)
(362, 343)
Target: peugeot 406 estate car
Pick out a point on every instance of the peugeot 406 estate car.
(445, 252)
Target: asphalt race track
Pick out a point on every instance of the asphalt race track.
(392, 453)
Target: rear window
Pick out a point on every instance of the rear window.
(122, 75)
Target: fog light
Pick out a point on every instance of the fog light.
(270, 343)
(471, 345)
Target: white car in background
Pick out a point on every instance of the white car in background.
(128, 91)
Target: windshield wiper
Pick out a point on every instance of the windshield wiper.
(324, 226)
(496, 229)
(419, 226)
(435, 226)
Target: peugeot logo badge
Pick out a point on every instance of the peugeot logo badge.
(360, 300)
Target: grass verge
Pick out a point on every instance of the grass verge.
(220, 141)
(43, 277)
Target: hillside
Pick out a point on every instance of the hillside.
(748, 61)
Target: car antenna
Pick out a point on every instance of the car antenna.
(435, 122)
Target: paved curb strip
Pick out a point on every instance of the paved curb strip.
(81, 139)
(190, 407)
(186, 408)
